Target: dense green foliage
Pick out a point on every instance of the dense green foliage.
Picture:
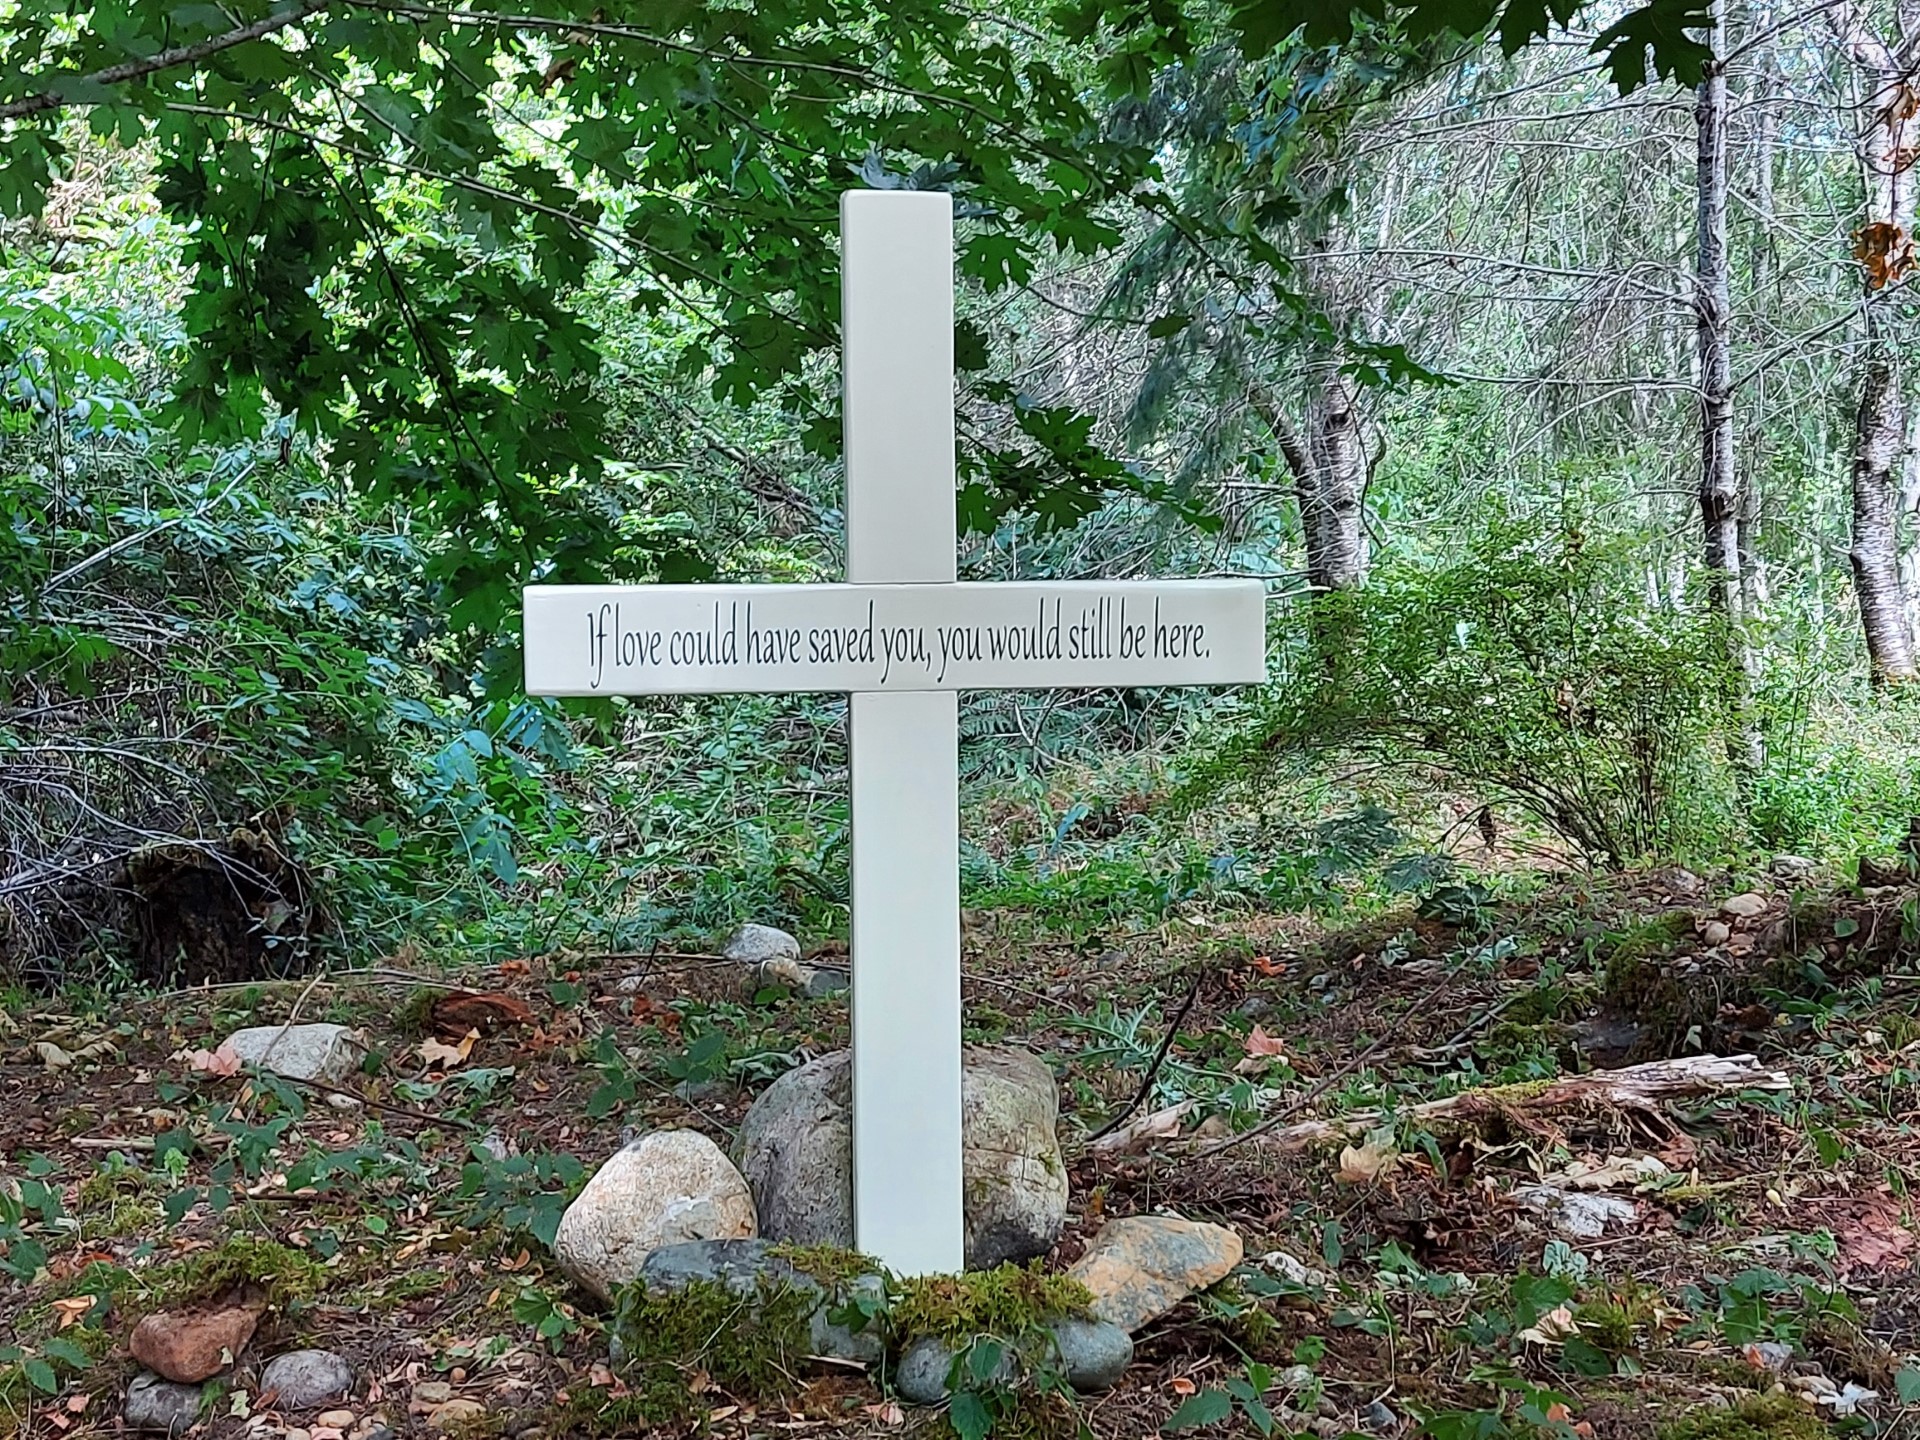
(324, 327)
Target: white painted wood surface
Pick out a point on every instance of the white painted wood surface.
(897, 396)
(987, 635)
(901, 637)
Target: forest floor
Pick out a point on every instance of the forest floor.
(1748, 1238)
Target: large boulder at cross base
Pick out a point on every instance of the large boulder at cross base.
(796, 1151)
(663, 1188)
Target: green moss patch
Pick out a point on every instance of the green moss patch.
(749, 1345)
(1758, 1417)
(1008, 1301)
(286, 1276)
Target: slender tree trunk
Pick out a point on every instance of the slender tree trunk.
(1880, 438)
(1329, 469)
(1719, 479)
(1763, 99)
(1889, 134)
(1331, 506)
(1722, 504)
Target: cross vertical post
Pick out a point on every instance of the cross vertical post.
(897, 400)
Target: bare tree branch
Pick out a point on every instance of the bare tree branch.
(164, 60)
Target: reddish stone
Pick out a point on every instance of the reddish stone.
(189, 1346)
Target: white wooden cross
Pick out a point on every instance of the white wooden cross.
(901, 637)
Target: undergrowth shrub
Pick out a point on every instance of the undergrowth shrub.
(1532, 669)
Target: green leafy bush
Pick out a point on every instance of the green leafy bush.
(1532, 668)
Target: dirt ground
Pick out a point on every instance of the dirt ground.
(1400, 1279)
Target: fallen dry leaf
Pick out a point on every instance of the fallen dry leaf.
(1160, 1125)
(1261, 1043)
(51, 1055)
(1362, 1164)
(221, 1062)
(1609, 1174)
(464, 1010)
(440, 1055)
(1181, 1385)
(1558, 1414)
(1551, 1328)
(887, 1412)
(1874, 1237)
(72, 1310)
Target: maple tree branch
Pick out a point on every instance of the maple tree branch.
(164, 60)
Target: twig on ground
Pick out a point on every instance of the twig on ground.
(1153, 1070)
(1637, 1087)
(1327, 1081)
(338, 979)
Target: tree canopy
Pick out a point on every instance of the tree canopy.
(392, 208)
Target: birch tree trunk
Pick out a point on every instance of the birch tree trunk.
(1329, 470)
(1889, 132)
(1880, 437)
(1719, 480)
(1331, 500)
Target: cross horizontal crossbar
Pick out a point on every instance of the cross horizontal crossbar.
(996, 635)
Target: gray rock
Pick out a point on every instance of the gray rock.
(745, 1266)
(1679, 882)
(1793, 868)
(1093, 1354)
(156, 1404)
(823, 983)
(306, 1379)
(1379, 1418)
(1605, 1039)
(661, 1189)
(1581, 1214)
(327, 1053)
(795, 1149)
(802, 978)
(923, 1368)
(758, 944)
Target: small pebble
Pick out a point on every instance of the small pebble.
(296, 1433)
(459, 1375)
(338, 1419)
(432, 1392)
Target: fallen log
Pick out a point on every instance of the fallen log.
(1635, 1087)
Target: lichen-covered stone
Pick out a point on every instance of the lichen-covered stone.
(758, 944)
(306, 1379)
(1140, 1267)
(326, 1053)
(663, 1188)
(795, 1149)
